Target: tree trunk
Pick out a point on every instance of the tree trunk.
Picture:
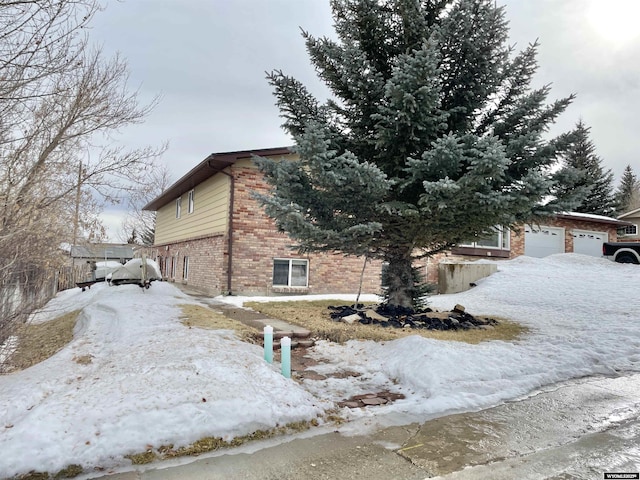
(401, 287)
(364, 265)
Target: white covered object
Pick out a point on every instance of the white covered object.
(139, 271)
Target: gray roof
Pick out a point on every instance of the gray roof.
(102, 251)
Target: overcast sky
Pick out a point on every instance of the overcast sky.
(207, 60)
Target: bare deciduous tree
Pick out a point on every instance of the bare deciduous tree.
(60, 98)
(139, 225)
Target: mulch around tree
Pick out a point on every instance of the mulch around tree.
(389, 316)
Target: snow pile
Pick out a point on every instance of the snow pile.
(150, 381)
(583, 313)
(153, 381)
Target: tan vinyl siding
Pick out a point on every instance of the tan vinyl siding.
(209, 217)
(249, 163)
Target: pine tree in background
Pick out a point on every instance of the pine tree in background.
(592, 179)
(433, 135)
(628, 193)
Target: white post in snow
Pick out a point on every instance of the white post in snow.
(285, 356)
(268, 343)
(144, 269)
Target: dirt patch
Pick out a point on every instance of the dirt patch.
(37, 342)
(209, 444)
(315, 316)
(83, 359)
(202, 317)
(371, 399)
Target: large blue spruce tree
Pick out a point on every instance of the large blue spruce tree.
(433, 135)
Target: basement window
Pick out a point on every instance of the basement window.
(384, 275)
(174, 262)
(290, 273)
(185, 268)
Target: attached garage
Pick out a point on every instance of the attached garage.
(540, 241)
(565, 232)
(568, 232)
(589, 243)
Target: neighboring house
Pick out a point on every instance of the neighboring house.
(96, 252)
(84, 258)
(211, 234)
(631, 232)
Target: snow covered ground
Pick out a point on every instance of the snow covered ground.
(153, 381)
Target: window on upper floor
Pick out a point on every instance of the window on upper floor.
(178, 207)
(290, 273)
(627, 231)
(191, 201)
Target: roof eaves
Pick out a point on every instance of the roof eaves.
(604, 220)
(632, 212)
(214, 163)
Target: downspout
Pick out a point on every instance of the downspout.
(230, 233)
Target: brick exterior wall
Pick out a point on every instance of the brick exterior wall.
(206, 262)
(256, 243)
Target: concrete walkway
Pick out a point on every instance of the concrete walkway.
(299, 335)
(578, 430)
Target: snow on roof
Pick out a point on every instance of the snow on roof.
(591, 216)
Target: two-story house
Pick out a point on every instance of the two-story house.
(212, 234)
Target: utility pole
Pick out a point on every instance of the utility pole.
(75, 219)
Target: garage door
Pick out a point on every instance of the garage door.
(589, 243)
(542, 241)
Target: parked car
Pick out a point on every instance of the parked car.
(622, 252)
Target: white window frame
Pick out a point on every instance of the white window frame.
(165, 266)
(625, 233)
(185, 268)
(174, 263)
(178, 207)
(504, 241)
(290, 264)
(191, 201)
